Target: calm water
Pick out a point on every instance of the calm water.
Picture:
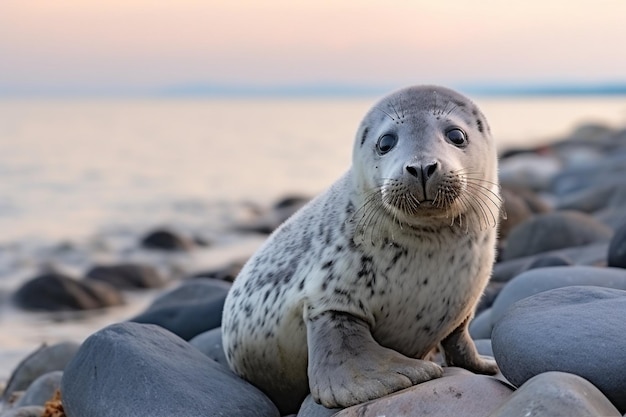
(73, 169)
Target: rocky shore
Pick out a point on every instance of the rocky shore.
(552, 315)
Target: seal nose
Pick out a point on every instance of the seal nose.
(423, 172)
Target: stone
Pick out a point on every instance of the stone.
(617, 249)
(227, 272)
(610, 193)
(310, 408)
(166, 240)
(58, 292)
(456, 395)
(551, 231)
(30, 411)
(139, 370)
(267, 222)
(481, 325)
(516, 209)
(127, 276)
(190, 309)
(538, 280)
(529, 170)
(568, 181)
(557, 394)
(483, 346)
(210, 343)
(42, 361)
(41, 390)
(578, 329)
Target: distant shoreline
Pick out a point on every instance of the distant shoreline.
(321, 90)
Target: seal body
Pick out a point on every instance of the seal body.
(349, 295)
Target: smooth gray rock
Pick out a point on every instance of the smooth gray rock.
(44, 360)
(483, 346)
(58, 292)
(611, 193)
(190, 309)
(41, 390)
(551, 231)
(30, 411)
(458, 395)
(617, 249)
(140, 370)
(210, 343)
(577, 329)
(166, 240)
(538, 280)
(557, 394)
(127, 276)
(310, 408)
(481, 325)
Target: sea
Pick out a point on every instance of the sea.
(81, 180)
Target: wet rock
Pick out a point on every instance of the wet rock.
(552, 231)
(310, 408)
(41, 390)
(30, 411)
(166, 240)
(617, 249)
(58, 292)
(139, 370)
(127, 276)
(543, 279)
(190, 309)
(458, 395)
(44, 360)
(210, 343)
(225, 273)
(557, 394)
(267, 222)
(572, 329)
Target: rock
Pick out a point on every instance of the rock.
(481, 326)
(274, 217)
(483, 346)
(192, 308)
(544, 279)
(529, 171)
(310, 408)
(44, 360)
(58, 292)
(166, 240)
(457, 395)
(140, 370)
(227, 272)
(30, 411)
(590, 255)
(548, 260)
(210, 343)
(489, 296)
(596, 198)
(574, 329)
(552, 231)
(617, 249)
(127, 276)
(516, 209)
(597, 174)
(41, 390)
(557, 394)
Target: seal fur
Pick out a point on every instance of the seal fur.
(348, 296)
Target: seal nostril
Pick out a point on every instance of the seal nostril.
(429, 170)
(411, 170)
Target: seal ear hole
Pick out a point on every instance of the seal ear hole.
(457, 137)
(386, 143)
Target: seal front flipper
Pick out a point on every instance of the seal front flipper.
(459, 350)
(347, 366)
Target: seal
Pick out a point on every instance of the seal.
(348, 296)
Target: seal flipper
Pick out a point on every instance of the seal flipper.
(347, 366)
(459, 350)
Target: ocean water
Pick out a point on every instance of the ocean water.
(81, 180)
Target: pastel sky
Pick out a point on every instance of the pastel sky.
(140, 45)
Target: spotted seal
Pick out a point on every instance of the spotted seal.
(348, 296)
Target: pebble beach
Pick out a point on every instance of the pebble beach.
(131, 316)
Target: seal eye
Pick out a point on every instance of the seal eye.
(386, 143)
(457, 137)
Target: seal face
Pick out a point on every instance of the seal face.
(349, 295)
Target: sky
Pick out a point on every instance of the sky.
(89, 46)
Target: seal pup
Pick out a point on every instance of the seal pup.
(349, 295)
